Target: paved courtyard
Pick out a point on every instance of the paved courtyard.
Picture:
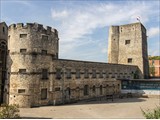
(119, 108)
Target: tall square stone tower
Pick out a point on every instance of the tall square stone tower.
(128, 45)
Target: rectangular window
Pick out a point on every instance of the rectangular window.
(77, 73)
(43, 93)
(44, 37)
(93, 73)
(68, 73)
(57, 89)
(23, 35)
(44, 52)
(3, 30)
(127, 42)
(58, 73)
(129, 60)
(86, 74)
(44, 74)
(21, 90)
(100, 74)
(23, 50)
(86, 90)
(22, 70)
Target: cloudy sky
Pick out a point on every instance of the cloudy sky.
(83, 25)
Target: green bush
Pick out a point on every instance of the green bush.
(9, 111)
(155, 114)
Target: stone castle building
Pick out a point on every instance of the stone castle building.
(128, 45)
(35, 76)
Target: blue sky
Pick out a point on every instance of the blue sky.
(83, 25)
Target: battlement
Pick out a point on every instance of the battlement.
(35, 26)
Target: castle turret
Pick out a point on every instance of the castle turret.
(131, 47)
(31, 51)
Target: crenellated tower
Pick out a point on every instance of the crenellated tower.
(128, 45)
(32, 48)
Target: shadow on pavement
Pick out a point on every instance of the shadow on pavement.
(104, 101)
(35, 118)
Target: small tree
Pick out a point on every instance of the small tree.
(9, 111)
(155, 114)
(152, 70)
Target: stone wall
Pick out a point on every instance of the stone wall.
(129, 46)
(31, 51)
(37, 77)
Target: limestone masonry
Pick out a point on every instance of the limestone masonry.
(31, 74)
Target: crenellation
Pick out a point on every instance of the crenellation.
(19, 25)
(38, 77)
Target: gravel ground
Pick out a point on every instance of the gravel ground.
(126, 108)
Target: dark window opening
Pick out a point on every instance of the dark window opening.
(129, 60)
(86, 74)
(44, 74)
(101, 90)
(93, 73)
(44, 52)
(44, 94)
(86, 90)
(23, 35)
(94, 89)
(100, 74)
(57, 89)
(22, 70)
(21, 90)
(68, 73)
(44, 37)
(77, 73)
(3, 30)
(23, 50)
(58, 74)
(127, 42)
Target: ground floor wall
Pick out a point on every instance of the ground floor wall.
(64, 81)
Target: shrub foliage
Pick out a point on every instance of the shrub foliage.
(9, 111)
(155, 114)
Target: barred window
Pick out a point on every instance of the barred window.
(101, 90)
(100, 74)
(68, 73)
(44, 74)
(77, 73)
(94, 89)
(58, 73)
(86, 74)
(86, 90)
(93, 73)
(43, 93)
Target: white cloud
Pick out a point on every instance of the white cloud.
(153, 32)
(78, 22)
(59, 15)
